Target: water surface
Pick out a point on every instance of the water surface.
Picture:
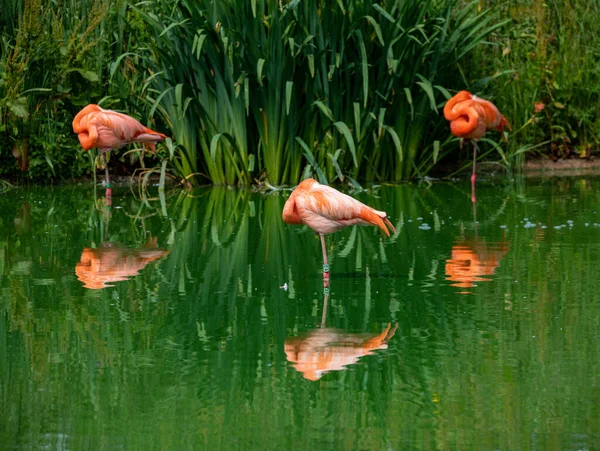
(197, 321)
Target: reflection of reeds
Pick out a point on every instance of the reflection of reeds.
(196, 343)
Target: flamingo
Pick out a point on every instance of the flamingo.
(113, 262)
(326, 210)
(106, 130)
(470, 117)
(323, 350)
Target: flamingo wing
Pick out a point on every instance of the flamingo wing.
(107, 129)
(327, 210)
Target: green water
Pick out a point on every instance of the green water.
(195, 321)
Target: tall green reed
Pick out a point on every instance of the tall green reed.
(330, 89)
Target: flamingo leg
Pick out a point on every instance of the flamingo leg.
(324, 315)
(325, 263)
(474, 175)
(108, 188)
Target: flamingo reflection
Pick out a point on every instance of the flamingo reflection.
(113, 262)
(472, 260)
(323, 350)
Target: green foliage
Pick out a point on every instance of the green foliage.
(334, 89)
(54, 59)
(554, 59)
(264, 90)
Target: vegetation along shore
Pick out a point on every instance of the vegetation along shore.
(348, 91)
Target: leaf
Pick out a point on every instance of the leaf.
(444, 91)
(87, 74)
(428, 88)
(36, 90)
(198, 44)
(259, 69)
(356, 106)
(344, 130)
(410, 102)
(115, 64)
(325, 109)
(364, 66)
(18, 107)
(173, 25)
(335, 163)
(436, 150)
(49, 161)
(311, 64)
(163, 170)
(288, 95)
(213, 145)
(311, 160)
(497, 147)
(157, 102)
(377, 28)
(380, 121)
(383, 12)
(247, 95)
(396, 140)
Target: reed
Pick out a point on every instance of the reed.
(338, 90)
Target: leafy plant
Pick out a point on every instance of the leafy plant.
(333, 89)
(551, 97)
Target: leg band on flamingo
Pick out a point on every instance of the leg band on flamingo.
(325, 290)
(326, 268)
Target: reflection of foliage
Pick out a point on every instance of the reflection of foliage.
(190, 352)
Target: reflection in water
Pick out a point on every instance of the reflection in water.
(322, 350)
(113, 262)
(22, 221)
(187, 353)
(472, 259)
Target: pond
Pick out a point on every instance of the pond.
(199, 320)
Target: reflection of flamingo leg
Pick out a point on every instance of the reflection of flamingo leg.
(108, 189)
(325, 263)
(474, 175)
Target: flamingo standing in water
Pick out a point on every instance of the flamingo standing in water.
(106, 130)
(470, 117)
(326, 210)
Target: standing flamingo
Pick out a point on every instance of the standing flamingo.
(326, 210)
(470, 117)
(106, 130)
